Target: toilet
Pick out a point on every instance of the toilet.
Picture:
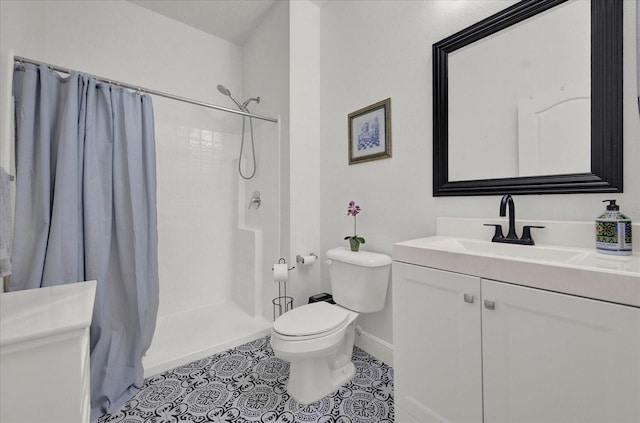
(317, 339)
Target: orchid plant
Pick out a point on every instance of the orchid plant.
(354, 240)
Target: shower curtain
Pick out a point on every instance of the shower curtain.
(86, 209)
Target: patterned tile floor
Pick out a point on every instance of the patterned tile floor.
(247, 384)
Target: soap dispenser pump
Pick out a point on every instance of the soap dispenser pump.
(613, 231)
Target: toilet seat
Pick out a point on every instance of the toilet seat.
(311, 321)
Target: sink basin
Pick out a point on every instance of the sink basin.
(515, 251)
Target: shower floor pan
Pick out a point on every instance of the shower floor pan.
(181, 338)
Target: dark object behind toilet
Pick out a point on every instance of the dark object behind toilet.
(321, 297)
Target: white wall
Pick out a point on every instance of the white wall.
(266, 74)
(196, 147)
(304, 154)
(372, 50)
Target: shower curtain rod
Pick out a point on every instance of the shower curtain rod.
(146, 90)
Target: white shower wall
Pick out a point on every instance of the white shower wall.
(197, 208)
(206, 253)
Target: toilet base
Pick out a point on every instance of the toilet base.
(317, 366)
(312, 380)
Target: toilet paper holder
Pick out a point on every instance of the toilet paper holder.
(300, 259)
(283, 302)
(283, 261)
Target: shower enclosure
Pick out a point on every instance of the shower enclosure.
(211, 244)
(215, 255)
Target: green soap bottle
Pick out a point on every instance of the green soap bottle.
(613, 231)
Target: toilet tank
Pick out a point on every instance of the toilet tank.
(359, 280)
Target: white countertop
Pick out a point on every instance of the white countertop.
(38, 313)
(593, 275)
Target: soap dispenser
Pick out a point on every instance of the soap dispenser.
(613, 231)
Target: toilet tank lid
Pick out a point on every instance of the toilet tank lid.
(359, 258)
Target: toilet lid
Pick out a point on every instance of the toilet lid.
(311, 319)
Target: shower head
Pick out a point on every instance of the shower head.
(225, 91)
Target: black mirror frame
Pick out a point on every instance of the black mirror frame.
(606, 107)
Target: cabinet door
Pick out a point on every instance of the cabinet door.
(552, 357)
(437, 350)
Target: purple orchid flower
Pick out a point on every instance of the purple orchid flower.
(352, 210)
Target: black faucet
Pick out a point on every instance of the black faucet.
(511, 237)
(507, 200)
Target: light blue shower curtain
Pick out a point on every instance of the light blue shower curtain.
(86, 209)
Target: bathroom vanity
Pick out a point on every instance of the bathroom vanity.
(487, 332)
(44, 354)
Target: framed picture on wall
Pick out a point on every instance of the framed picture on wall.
(370, 133)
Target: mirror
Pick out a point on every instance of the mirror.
(521, 108)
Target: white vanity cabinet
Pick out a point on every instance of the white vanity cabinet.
(44, 354)
(437, 347)
(468, 349)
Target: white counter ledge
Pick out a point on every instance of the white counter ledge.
(38, 313)
(561, 261)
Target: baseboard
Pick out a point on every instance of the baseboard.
(375, 346)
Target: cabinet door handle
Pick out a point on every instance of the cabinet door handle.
(468, 298)
(489, 305)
